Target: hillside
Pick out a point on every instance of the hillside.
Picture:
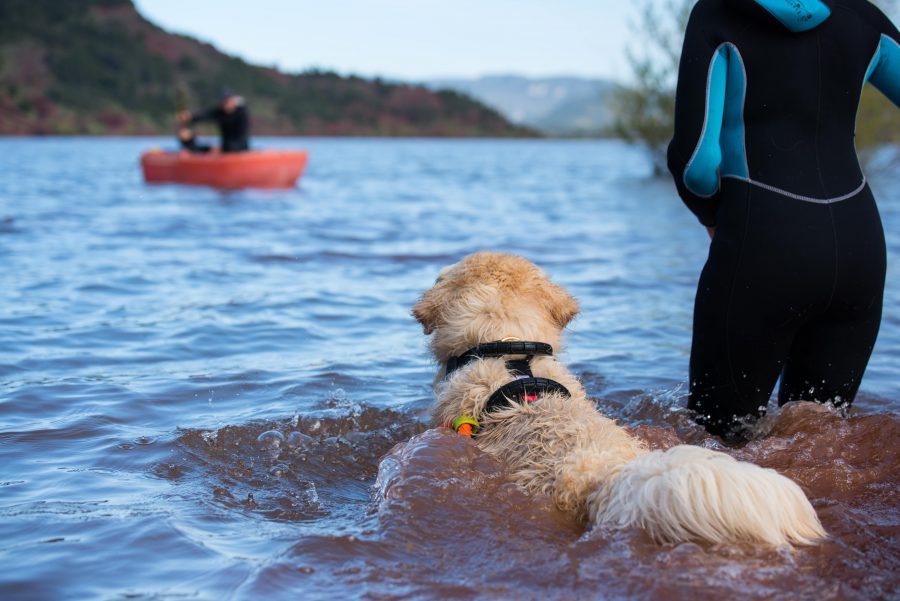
(99, 67)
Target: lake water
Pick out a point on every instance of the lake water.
(150, 335)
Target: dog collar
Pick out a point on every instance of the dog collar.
(502, 348)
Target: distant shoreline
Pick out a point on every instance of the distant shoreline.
(318, 136)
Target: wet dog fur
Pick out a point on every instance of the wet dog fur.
(565, 448)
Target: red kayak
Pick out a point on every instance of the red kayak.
(231, 170)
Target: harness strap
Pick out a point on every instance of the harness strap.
(524, 390)
(520, 368)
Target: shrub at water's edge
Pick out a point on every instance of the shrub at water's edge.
(99, 67)
(645, 109)
(878, 121)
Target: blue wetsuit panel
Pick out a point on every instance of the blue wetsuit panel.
(701, 176)
(720, 151)
(885, 69)
(797, 15)
(732, 139)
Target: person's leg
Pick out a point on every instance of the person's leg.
(735, 357)
(828, 359)
(829, 355)
(769, 271)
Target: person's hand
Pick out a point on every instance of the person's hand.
(184, 116)
(711, 231)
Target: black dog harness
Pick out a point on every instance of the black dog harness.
(526, 387)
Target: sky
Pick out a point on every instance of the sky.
(411, 40)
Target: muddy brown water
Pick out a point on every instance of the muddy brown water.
(444, 521)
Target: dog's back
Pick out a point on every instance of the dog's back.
(555, 440)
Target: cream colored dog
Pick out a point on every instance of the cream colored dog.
(564, 447)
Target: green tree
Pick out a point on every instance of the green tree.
(645, 109)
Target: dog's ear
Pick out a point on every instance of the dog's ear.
(427, 310)
(561, 305)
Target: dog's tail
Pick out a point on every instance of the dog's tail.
(691, 493)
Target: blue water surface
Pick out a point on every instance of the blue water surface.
(132, 314)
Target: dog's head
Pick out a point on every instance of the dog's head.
(491, 296)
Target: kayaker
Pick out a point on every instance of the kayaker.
(231, 118)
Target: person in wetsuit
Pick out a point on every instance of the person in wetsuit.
(763, 154)
(232, 119)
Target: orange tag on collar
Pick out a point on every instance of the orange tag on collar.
(465, 425)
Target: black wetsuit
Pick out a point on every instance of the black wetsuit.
(234, 127)
(763, 150)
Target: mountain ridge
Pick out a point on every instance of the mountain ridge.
(555, 105)
(99, 67)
